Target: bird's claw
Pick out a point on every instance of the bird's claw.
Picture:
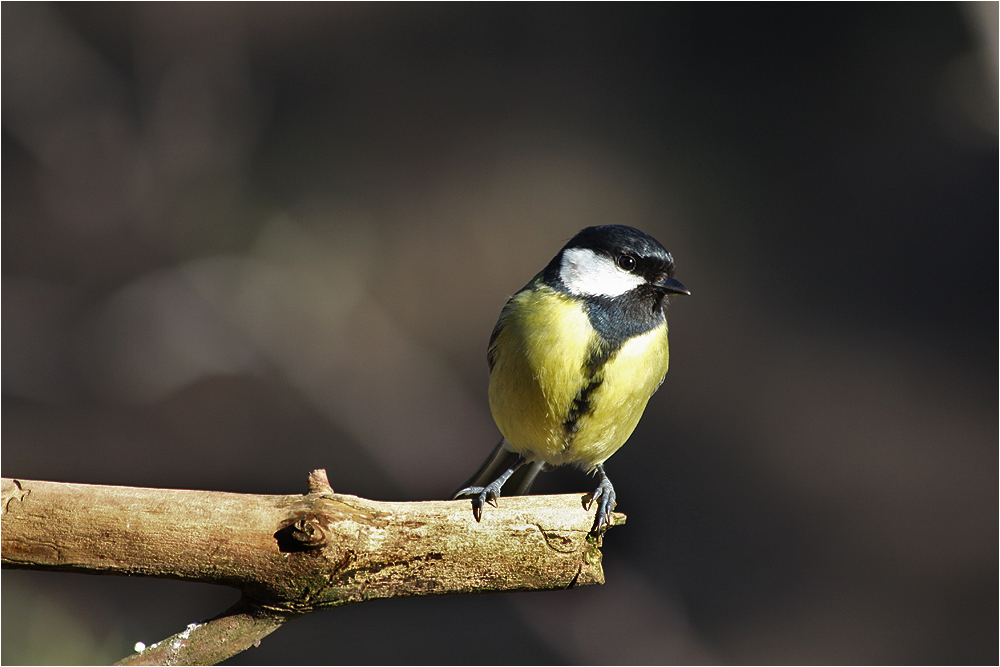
(605, 497)
(482, 496)
(489, 493)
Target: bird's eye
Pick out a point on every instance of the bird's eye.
(626, 263)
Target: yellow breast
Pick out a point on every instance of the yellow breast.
(540, 367)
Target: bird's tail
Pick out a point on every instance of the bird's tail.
(502, 458)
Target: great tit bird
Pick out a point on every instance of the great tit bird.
(574, 358)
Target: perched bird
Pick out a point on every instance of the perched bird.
(574, 358)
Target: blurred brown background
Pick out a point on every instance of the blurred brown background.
(244, 241)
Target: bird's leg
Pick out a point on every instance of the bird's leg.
(604, 494)
(490, 492)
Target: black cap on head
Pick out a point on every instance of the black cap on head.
(631, 250)
(616, 240)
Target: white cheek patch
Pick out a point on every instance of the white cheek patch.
(586, 273)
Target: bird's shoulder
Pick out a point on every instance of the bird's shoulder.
(530, 306)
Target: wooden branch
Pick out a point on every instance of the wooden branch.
(211, 642)
(291, 555)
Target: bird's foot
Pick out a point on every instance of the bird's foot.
(490, 492)
(482, 495)
(604, 495)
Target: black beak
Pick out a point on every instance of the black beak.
(671, 285)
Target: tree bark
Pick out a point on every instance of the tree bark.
(290, 555)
